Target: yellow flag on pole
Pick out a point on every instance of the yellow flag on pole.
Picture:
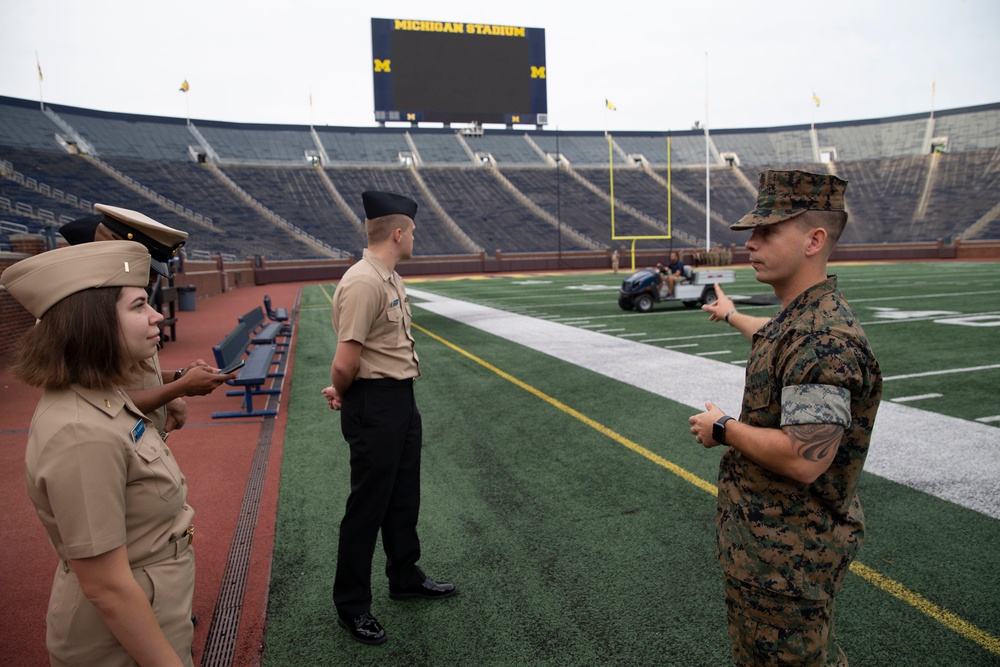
(815, 99)
(185, 87)
(40, 77)
(610, 105)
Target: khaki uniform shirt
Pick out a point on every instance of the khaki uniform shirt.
(811, 364)
(148, 381)
(370, 306)
(100, 477)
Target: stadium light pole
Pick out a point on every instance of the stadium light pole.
(708, 174)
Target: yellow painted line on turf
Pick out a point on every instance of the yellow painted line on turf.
(939, 614)
(887, 584)
(600, 428)
(325, 293)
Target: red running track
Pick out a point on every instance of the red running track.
(215, 456)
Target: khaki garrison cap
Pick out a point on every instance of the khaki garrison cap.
(42, 281)
(783, 195)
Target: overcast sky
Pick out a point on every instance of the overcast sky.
(256, 62)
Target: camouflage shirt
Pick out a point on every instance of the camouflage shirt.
(810, 364)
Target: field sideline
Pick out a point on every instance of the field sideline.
(526, 376)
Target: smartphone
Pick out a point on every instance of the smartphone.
(233, 367)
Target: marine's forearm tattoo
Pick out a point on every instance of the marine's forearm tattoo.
(815, 442)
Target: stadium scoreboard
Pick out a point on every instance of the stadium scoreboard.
(448, 72)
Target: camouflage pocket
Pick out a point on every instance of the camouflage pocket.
(760, 399)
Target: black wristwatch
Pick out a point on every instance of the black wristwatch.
(719, 429)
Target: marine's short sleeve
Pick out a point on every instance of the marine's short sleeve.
(83, 471)
(819, 373)
(815, 404)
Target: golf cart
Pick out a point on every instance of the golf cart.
(646, 286)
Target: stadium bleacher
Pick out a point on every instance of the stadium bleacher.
(361, 146)
(506, 149)
(913, 178)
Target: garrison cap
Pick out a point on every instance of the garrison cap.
(81, 230)
(378, 204)
(782, 195)
(41, 281)
(161, 241)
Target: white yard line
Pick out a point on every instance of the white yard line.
(918, 397)
(947, 371)
(953, 459)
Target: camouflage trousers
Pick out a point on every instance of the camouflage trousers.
(768, 630)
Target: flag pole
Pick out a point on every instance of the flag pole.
(185, 87)
(933, 86)
(41, 99)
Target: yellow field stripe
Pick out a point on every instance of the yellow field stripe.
(891, 586)
(604, 430)
(939, 614)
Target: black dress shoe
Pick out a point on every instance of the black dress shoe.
(429, 590)
(363, 628)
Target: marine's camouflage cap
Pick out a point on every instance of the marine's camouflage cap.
(782, 195)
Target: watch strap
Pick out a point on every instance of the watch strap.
(719, 429)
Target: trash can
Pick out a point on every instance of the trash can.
(186, 298)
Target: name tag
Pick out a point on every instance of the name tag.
(138, 430)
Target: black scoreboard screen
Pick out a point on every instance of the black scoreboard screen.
(437, 71)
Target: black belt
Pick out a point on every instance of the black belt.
(385, 382)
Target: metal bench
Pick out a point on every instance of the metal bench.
(277, 315)
(254, 373)
(261, 332)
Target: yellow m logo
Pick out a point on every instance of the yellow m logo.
(411, 116)
(382, 66)
(537, 72)
(515, 119)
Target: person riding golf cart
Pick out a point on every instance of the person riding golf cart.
(646, 287)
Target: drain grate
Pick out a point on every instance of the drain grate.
(222, 633)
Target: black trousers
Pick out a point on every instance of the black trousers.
(381, 423)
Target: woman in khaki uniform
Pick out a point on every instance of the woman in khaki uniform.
(104, 485)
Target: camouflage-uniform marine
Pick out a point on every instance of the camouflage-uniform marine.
(785, 546)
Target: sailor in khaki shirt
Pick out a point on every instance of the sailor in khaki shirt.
(372, 385)
(157, 393)
(104, 485)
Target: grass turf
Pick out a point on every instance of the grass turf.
(569, 548)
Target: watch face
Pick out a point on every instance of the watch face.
(719, 429)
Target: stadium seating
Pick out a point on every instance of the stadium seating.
(258, 144)
(298, 195)
(358, 147)
(901, 189)
(137, 137)
(506, 149)
(440, 149)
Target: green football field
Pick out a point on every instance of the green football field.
(576, 514)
